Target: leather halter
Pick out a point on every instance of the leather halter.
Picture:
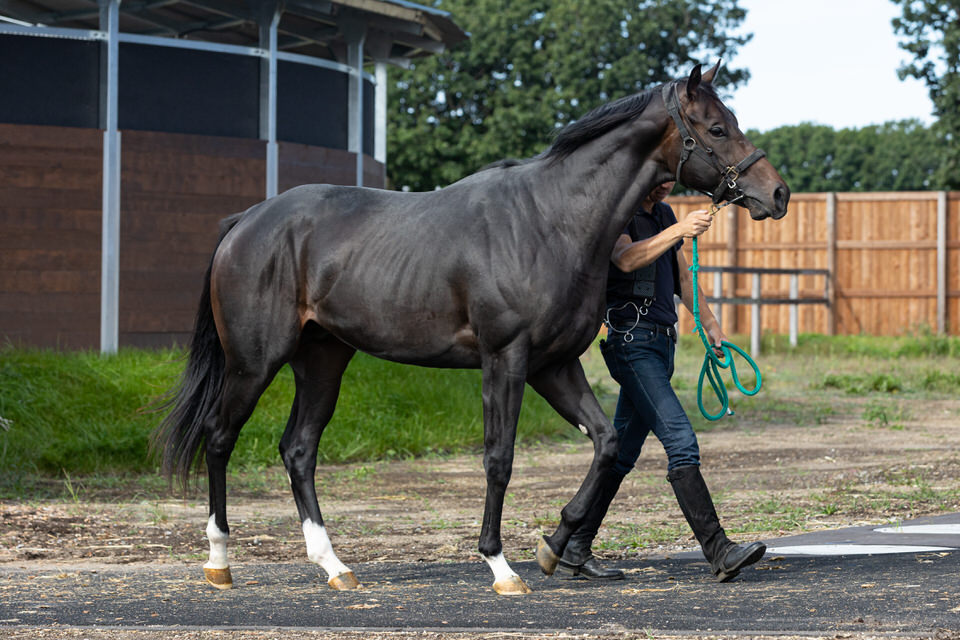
(693, 144)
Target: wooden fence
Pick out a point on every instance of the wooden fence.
(893, 260)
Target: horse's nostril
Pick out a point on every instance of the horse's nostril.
(780, 197)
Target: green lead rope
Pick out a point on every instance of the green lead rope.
(712, 364)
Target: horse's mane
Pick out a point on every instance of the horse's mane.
(597, 122)
(593, 125)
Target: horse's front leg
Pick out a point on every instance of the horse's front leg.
(566, 388)
(504, 377)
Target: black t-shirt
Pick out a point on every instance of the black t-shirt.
(623, 287)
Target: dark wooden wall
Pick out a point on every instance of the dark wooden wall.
(50, 203)
(175, 190)
(301, 164)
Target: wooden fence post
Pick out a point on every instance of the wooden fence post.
(942, 262)
(832, 263)
(733, 216)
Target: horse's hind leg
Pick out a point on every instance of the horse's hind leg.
(241, 389)
(566, 388)
(318, 367)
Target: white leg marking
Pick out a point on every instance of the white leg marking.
(501, 570)
(218, 545)
(583, 429)
(320, 550)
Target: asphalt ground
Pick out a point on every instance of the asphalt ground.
(914, 592)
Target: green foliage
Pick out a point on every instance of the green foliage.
(920, 345)
(862, 383)
(530, 68)
(895, 156)
(931, 34)
(941, 382)
(880, 414)
(82, 413)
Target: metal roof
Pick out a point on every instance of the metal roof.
(396, 30)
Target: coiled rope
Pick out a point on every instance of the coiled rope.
(711, 362)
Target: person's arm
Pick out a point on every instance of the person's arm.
(629, 255)
(709, 321)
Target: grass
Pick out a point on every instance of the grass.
(79, 413)
(81, 418)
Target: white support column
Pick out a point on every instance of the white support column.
(110, 240)
(355, 33)
(268, 99)
(380, 116)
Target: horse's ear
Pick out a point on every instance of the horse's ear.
(710, 75)
(693, 82)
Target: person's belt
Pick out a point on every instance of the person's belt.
(669, 331)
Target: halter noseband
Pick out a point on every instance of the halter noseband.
(692, 143)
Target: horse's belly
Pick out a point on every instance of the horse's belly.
(418, 339)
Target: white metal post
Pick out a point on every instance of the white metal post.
(942, 263)
(380, 115)
(794, 308)
(718, 293)
(270, 102)
(110, 241)
(355, 33)
(755, 316)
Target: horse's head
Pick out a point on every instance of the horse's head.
(713, 155)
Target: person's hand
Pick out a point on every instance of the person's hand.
(695, 223)
(716, 336)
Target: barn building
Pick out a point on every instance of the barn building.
(128, 129)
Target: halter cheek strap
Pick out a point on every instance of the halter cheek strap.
(693, 144)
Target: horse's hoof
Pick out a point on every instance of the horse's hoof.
(546, 558)
(344, 581)
(220, 578)
(512, 586)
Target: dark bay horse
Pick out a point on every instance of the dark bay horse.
(504, 271)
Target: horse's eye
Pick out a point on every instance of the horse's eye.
(717, 132)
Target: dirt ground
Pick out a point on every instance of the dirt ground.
(768, 480)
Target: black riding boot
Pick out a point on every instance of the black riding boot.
(726, 558)
(578, 561)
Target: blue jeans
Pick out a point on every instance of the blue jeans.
(643, 368)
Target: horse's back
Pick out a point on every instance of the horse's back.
(376, 268)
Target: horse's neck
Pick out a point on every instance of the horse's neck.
(601, 185)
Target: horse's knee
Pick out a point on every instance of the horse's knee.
(499, 470)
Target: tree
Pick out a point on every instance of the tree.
(894, 156)
(931, 32)
(531, 67)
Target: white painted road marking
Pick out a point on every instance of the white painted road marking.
(849, 549)
(932, 529)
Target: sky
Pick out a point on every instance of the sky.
(831, 62)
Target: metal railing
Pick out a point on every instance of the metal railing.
(756, 300)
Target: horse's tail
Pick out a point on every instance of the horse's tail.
(179, 438)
